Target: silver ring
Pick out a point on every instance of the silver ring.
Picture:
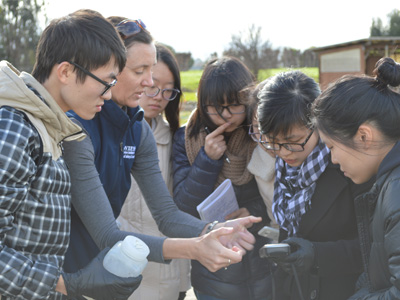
(229, 263)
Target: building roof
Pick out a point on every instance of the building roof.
(365, 42)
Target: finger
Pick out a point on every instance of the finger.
(233, 215)
(240, 239)
(247, 237)
(250, 220)
(244, 246)
(234, 256)
(214, 140)
(222, 231)
(243, 212)
(225, 253)
(220, 130)
(237, 249)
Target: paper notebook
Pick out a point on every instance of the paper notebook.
(219, 203)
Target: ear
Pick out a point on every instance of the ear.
(364, 135)
(64, 72)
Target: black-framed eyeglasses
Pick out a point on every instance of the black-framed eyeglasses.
(233, 109)
(167, 94)
(256, 136)
(128, 28)
(107, 85)
(293, 147)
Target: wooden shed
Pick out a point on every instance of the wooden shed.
(356, 57)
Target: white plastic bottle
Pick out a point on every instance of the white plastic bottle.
(127, 258)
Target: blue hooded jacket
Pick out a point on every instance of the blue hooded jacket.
(115, 135)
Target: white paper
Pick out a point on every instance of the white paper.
(219, 203)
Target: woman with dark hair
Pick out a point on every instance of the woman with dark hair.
(312, 198)
(358, 118)
(212, 147)
(119, 144)
(161, 281)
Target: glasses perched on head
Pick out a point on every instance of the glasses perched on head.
(128, 28)
(293, 147)
(107, 85)
(233, 109)
(167, 94)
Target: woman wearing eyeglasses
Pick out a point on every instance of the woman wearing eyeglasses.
(212, 147)
(119, 144)
(161, 103)
(312, 198)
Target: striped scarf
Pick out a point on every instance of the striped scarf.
(295, 186)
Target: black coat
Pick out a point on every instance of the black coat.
(331, 225)
(378, 215)
(248, 279)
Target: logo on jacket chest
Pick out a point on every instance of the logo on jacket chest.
(129, 152)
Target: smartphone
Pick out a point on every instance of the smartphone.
(274, 250)
(269, 232)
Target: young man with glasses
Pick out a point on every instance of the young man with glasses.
(34, 179)
(313, 200)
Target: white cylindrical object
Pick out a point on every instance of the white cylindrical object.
(127, 258)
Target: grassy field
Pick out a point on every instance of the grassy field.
(190, 81)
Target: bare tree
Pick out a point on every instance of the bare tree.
(20, 31)
(308, 58)
(250, 49)
(290, 58)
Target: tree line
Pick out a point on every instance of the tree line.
(20, 32)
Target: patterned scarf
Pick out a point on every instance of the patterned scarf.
(295, 186)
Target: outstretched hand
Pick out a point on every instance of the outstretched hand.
(213, 254)
(240, 237)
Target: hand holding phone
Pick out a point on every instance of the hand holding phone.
(274, 250)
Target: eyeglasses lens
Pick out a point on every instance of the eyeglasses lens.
(232, 109)
(169, 94)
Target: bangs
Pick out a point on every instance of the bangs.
(280, 117)
(217, 89)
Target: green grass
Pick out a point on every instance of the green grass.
(190, 79)
(312, 72)
(190, 96)
(190, 82)
(183, 116)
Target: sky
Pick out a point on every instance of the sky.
(206, 26)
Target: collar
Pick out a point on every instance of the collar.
(391, 160)
(118, 117)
